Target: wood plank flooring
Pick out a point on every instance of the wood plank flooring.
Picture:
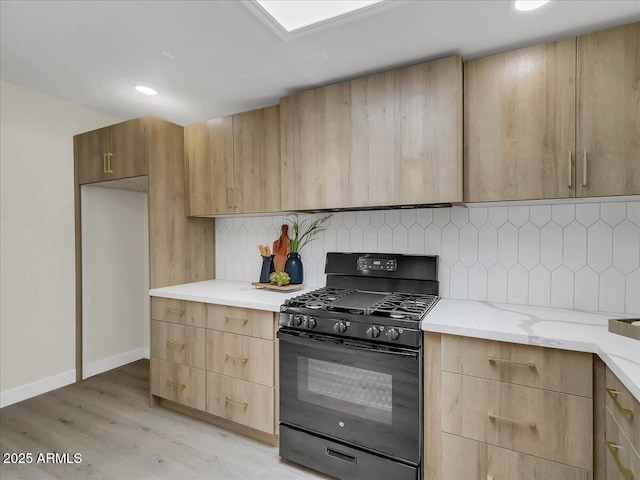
(108, 420)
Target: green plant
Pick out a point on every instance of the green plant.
(279, 278)
(304, 231)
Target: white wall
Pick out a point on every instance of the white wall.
(115, 251)
(577, 254)
(37, 250)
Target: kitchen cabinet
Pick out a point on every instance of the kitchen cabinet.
(389, 139)
(507, 410)
(556, 120)
(233, 164)
(114, 152)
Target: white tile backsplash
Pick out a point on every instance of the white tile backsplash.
(575, 255)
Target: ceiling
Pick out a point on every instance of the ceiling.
(214, 58)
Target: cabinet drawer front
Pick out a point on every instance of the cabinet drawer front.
(242, 357)
(178, 311)
(241, 402)
(244, 321)
(470, 460)
(548, 368)
(178, 343)
(621, 460)
(179, 383)
(543, 423)
(624, 408)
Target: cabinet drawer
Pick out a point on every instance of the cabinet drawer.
(624, 408)
(548, 368)
(622, 461)
(241, 402)
(242, 357)
(470, 460)
(543, 423)
(244, 321)
(178, 343)
(179, 383)
(178, 311)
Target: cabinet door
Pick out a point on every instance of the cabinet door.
(128, 147)
(388, 139)
(209, 166)
(520, 124)
(90, 150)
(608, 126)
(256, 160)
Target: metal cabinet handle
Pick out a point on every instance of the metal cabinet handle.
(174, 344)
(236, 357)
(584, 168)
(231, 400)
(109, 156)
(613, 448)
(227, 318)
(105, 169)
(493, 416)
(511, 362)
(613, 393)
(570, 177)
(176, 384)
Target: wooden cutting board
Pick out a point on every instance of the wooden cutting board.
(281, 248)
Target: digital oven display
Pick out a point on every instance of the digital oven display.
(382, 264)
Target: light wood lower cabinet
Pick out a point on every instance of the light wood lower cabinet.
(178, 383)
(464, 459)
(242, 402)
(178, 343)
(243, 321)
(178, 311)
(622, 460)
(624, 408)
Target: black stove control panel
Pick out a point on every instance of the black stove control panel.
(383, 264)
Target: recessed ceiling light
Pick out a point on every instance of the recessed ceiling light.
(145, 90)
(526, 5)
(294, 15)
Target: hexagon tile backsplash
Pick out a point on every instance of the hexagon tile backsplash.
(584, 256)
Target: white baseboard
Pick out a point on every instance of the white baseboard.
(94, 368)
(36, 388)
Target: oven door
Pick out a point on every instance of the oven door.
(366, 395)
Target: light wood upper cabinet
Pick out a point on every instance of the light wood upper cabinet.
(389, 139)
(111, 153)
(233, 164)
(608, 127)
(556, 120)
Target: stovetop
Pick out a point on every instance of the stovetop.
(394, 305)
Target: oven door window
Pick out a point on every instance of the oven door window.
(350, 392)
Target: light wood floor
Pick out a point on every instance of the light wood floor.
(108, 420)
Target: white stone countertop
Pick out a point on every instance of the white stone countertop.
(544, 327)
(541, 326)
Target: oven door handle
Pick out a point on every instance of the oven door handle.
(335, 343)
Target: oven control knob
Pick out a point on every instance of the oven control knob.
(297, 320)
(340, 327)
(373, 332)
(392, 334)
(308, 322)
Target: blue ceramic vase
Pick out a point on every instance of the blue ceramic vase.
(293, 266)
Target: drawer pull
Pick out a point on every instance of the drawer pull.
(242, 359)
(176, 384)
(493, 416)
(174, 344)
(227, 318)
(231, 400)
(613, 393)
(570, 176)
(175, 310)
(613, 448)
(511, 362)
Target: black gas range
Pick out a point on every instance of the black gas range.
(351, 376)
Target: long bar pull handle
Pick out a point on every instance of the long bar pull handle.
(175, 310)
(231, 400)
(227, 318)
(584, 168)
(613, 393)
(105, 169)
(174, 344)
(236, 357)
(176, 384)
(511, 362)
(570, 176)
(493, 416)
(109, 170)
(613, 448)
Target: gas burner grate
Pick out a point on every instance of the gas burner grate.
(318, 299)
(403, 305)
